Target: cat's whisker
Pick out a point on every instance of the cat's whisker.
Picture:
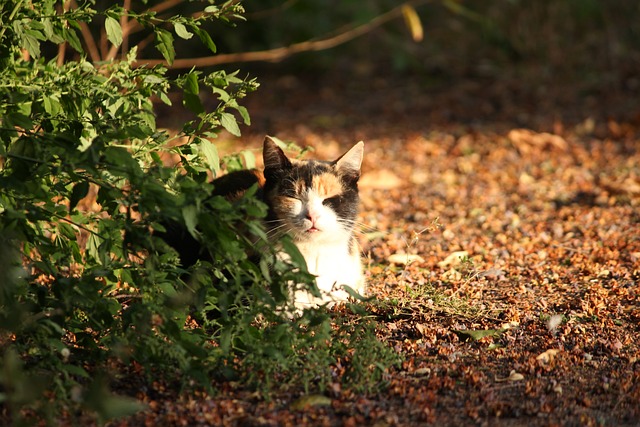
(361, 228)
(279, 231)
(276, 229)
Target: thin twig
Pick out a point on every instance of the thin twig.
(123, 296)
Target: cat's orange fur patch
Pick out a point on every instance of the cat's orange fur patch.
(327, 185)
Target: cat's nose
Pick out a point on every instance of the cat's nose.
(312, 216)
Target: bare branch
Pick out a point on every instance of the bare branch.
(94, 53)
(62, 47)
(282, 52)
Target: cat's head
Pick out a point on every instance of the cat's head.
(312, 200)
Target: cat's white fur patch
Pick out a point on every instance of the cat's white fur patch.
(323, 238)
(334, 266)
(327, 252)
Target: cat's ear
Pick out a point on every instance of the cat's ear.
(274, 157)
(351, 161)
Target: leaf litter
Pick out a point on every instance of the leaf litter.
(521, 306)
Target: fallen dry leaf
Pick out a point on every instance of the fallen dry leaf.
(380, 179)
(453, 259)
(513, 376)
(527, 140)
(310, 400)
(404, 259)
(548, 356)
(452, 275)
(420, 372)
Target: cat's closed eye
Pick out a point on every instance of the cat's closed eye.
(291, 194)
(332, 201)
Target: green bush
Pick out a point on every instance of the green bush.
(86, 288)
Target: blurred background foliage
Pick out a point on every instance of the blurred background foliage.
(514, 57)
(561, 38)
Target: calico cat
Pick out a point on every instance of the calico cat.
(316, 203)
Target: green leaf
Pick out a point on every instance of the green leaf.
(228, 121)
(249, 159)
(478, 334)
(50, 33)
(79, 192)
(114, 30)
(67, 230)
(310, 400)
(164, 98)
(225, 340)
(193, 103)
(164, 43)
(31, 44)
(182, 31)
(292, 250)
(210, 153)
(88, 135)
(190, 216)
(167, 289)
(122, 162)
(77, 370)
(244, 113)
(191, 84)
(354, 294)
(222, 94)
(108, 405)
(51, 104)
(19, 120)
(206, 39)
(71, 37)
(93, 244)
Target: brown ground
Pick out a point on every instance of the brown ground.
(539, 186)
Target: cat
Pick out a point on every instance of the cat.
(316, 203)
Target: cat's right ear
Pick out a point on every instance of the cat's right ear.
(274, 158)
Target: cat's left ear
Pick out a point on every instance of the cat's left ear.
(351, 161)
(274, 157)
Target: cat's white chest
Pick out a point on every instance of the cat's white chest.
(334, 266)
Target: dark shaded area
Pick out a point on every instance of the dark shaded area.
(547, 66)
